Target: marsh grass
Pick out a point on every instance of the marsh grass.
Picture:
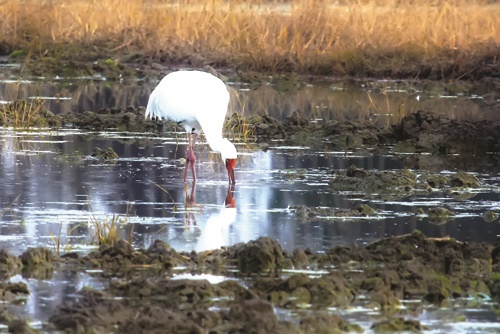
(109, 230)
(175, 208)
(22, 114)
(313, 36)
(9, 208)
(239, 128)
(236, 126)
(57, 239)
(392, 114)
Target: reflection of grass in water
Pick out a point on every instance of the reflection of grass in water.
(383, 103)
(335, 101)
(394, 116)
(24, 143)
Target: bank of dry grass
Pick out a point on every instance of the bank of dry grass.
(349, 37)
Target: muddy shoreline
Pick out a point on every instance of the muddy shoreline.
(147, 297)
(423, 131)
(423, 140)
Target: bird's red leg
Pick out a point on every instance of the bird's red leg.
(187, 154)
(190, 159)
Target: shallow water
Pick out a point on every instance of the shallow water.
(49, 191)
(43, 192)
(380, 101)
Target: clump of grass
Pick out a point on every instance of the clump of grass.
(57, 239)
(237, 125)
(313, 36)
(109, 230)
(238, 128)
(22, 114)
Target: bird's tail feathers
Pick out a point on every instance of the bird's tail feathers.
(150, 112)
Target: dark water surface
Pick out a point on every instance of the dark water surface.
(380, 101)
(52, 187)
(42, 189)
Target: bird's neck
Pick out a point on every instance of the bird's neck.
(215, 142)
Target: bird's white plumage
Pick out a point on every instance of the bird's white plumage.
(197, 99)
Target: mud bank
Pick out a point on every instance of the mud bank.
(147, 295)
(398, 184)
(422, 131)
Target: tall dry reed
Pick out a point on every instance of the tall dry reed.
(303, 35)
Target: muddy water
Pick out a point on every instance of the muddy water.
(52, 186)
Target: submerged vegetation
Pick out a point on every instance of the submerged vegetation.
(446, 39)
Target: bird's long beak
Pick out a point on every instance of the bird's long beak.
(230, 163)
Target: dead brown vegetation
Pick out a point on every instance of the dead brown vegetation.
(350, 37)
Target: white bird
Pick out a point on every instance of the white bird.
(198, 100)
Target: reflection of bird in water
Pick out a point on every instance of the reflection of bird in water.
(189, 206)
(191, 230)
(199, 101)
(215, 233)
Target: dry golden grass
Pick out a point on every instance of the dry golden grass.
(20, 114)
(305, 35)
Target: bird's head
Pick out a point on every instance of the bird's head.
(229, 156)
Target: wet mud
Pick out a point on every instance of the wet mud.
(107, 156)
(310, 214)
(422, 131)
(401, 183)
(145, 296)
